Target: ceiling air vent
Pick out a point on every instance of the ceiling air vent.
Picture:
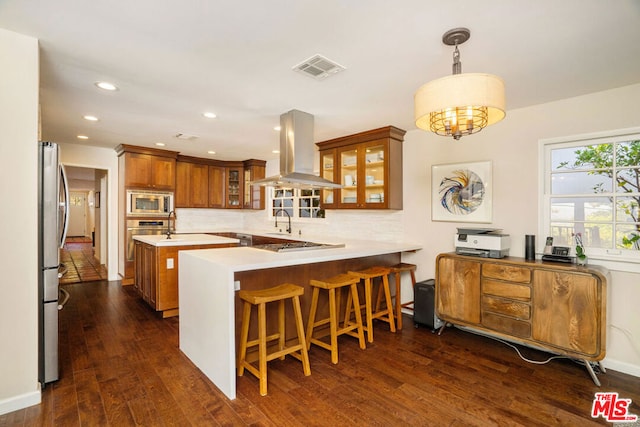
(186, 136)
(318, 67)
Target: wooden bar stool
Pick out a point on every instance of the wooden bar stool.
(397, 270)
(261, 298)
(355, 329)
(386, 314)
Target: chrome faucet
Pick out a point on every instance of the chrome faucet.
(276, 215)
(169, 223)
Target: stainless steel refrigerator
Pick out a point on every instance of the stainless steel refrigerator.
(53, 202)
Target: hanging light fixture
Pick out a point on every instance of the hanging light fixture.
(460, 104)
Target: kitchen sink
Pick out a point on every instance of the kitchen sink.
(296, 246)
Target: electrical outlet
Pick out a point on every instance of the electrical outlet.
(169, 263)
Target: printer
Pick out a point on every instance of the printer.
(482, 242)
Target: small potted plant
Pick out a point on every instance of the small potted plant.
(581, 257)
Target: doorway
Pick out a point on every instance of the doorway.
(78, 214)
(84, 252)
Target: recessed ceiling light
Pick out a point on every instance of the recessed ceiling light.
(106, 86)
(276, 151)
(160, 144)
(90, 118)
(211, 152)
(277, 128)
(209, 115)
(83, 137)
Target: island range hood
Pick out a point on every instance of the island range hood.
(296, 155)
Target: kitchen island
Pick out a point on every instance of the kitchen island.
(210, 310)
(156, 266)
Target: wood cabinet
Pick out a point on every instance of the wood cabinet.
(207, 183)
(368, 165)
(234, 176)
(556, 307)
(253, 197)
(156, 274)
(192, 184)
(147, 168)
(225, 187)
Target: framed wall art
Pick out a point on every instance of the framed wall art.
(461, 192)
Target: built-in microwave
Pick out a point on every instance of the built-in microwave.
(149, 203)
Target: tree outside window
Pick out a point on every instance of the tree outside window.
(595, 191)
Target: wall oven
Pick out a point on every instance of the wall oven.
(136, 227)
(149, 203)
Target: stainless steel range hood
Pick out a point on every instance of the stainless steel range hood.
(296, 155)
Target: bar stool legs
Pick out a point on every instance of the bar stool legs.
(397, 270)
(386, 314)
(261, 298)
(334, 287)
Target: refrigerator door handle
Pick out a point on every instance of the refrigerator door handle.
(64, 205)
(65, 299)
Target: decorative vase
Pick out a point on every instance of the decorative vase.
(581, 260)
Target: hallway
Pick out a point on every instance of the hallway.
(77, 255)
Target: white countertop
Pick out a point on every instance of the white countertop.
(184, 240)
(246, 258)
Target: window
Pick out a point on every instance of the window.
(592, 187)
(296, 202)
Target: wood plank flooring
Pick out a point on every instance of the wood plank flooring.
(121, 366)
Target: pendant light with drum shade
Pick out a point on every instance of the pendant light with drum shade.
(460, 104)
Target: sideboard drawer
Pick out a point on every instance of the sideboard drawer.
(507, 325)
(506, 272)
(506, 307)
(506, 290)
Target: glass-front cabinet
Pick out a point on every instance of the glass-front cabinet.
(234, 184)
(369, 168)
(327, 162)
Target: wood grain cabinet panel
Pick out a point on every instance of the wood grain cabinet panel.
(557, 307)
(458, 290)
(192, 185)
(567, 313)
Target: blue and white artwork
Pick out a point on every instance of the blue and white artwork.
(461, 192)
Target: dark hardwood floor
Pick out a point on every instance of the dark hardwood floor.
(121, 366)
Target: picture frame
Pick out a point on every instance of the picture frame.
(462, 192)
(97, 200)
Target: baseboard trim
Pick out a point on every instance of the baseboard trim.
(625, 368)
(20, 402)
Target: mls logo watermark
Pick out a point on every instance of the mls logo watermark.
(612, 408)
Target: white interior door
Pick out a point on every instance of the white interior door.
(77, 214)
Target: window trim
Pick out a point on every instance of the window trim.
(621, 262)
(299, 219)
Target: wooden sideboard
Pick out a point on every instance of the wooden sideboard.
(560, 308)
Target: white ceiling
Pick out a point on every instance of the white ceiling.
(173, 60)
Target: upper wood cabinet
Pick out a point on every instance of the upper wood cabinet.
(217, 187)
(147, 168)
(234, 186)
(253, 196)
(368, 165)
(192, 183)
(225, 186)
(207, 183)
(557, 307)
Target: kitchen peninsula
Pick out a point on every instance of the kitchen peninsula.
(209, 309)
(156, 266)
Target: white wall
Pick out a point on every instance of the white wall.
(19, 226)
(512, 146)
(106, 159)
